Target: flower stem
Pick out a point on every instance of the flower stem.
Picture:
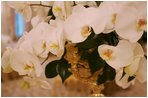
(45, 59)
(40, 5)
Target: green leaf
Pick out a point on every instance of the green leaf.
(101, 79)
(93, 58)
(130, 78)
(50, 13)
(107, 75)
(111, 73)
(98, 3)
(143, 39)
(111, 38)
(50, 70)
(95, 61)
(86, 6)
(92, 41)
(62, 69)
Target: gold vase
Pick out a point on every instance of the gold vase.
(81, 71)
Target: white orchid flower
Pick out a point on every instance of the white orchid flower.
(138, 69)
(35, 81)
(140, 74)
(43, 39)
(41, 81)
(62, 9)
(128, 19)
(117, 56)
(78, 25)
(123, 18)
(5, 42)
(89, 3)
(110, 10)
(22, 7)
(25, 63)
(25, 8)
(38, 19)
(123, 82)
(138, 5)
(50, 3)
(22, 62)
(129, 25)
(42, 11)
(138, 54)
(58, 25)
(52, 40)
(6, 61)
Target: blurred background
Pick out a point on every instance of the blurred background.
(12, 28)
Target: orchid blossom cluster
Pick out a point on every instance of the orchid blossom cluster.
(113, 29)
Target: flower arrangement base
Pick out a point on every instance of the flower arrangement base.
(84, 88)
(81, 70)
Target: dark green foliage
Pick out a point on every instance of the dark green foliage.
(62, 69)
(93, 58)
(111, 74)
(88, 51)
(107, 75)
(50, 70)
(58, 67)
(123, 74)
(101, 79)
(50, 13)
(92, 43)
(130, 78)
(95, 61)
(98, 2)
(111, 38)
(143, 40)
(94, 40)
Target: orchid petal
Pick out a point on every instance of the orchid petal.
(110, 11)
(27, 13)
(50, 3)
(138, 50)
(36, 20)
(34, 81)
(25, 63)
(133, 67)
(6, 61)
(141, 75)
(119, 56)
(17, 5)
(45, 38)
(126, 25)
(124, 81)
(84, 17)
(59, 10)
(23, 8)
(43, 83)
(138, 53)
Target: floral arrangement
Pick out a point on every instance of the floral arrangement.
(95, 42)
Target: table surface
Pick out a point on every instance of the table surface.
(11, 88)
